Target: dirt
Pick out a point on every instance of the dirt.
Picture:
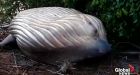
(13, 62)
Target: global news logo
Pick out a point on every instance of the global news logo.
(127, 71)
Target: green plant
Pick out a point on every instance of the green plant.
(120, 17)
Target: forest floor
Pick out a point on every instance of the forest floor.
(13, 62)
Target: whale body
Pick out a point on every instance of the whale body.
(57, 34)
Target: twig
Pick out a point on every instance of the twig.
(16, 66)
(134, 45)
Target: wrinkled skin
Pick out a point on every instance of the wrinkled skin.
(32, 35)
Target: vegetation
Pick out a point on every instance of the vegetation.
(120, 17)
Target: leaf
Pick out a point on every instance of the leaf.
(124, 11)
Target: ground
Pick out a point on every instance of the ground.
(13, 62)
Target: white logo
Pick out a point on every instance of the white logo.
(123, 71)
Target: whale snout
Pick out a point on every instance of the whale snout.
(103, 46)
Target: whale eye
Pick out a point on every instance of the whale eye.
(95, 34)
(89, 23)
(95, 31)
